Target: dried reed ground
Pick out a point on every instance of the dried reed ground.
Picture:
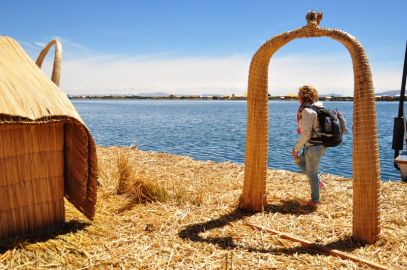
(182, 216)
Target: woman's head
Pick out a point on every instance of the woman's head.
(307, 94)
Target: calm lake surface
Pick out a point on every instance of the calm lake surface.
(216, 130)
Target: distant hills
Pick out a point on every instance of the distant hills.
(160, 95)
(163, 94)
(331, 95)
(154, 94)
(389, 93)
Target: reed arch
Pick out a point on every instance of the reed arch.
(366, 166)
(56, 69)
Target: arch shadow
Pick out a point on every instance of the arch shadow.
(193, 231)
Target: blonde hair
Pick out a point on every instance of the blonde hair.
(308, 93)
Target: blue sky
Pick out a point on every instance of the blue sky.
(205, 46)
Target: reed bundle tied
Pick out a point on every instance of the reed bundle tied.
(190, 221)
(46, 151)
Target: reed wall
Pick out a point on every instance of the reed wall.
(31, 177)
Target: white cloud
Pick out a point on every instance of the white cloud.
(386, 75)
(39, 44)
(183, 76)
(69, 43)
(71, 50)
(328, 73)
(87, 73)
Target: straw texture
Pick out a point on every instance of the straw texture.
(196, 225)
(366, 168)
(31, 190)
(40, 124)
(56, 70)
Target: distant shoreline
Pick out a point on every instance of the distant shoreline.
(174, 97)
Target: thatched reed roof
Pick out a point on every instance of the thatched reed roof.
(28, 97)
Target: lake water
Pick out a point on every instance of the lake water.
(216, 130)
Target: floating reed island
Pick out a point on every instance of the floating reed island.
(159, 211)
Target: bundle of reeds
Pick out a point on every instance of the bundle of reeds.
(56, 69)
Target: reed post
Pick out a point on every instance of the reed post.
(366, 167)
(56, 70)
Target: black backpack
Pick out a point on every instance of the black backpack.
(332, 127)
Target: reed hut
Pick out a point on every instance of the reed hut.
(46, 151)
(366, 166)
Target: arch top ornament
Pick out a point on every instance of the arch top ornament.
(314, 18)
(366, 166)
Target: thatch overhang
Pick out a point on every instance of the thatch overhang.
(28, 97)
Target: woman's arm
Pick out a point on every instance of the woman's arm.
(306, 123)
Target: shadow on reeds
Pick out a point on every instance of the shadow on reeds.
(192, 232)
(20, 241)
(346, 244)
(293, 207)
(131, 204)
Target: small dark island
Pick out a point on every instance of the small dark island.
(225, 97)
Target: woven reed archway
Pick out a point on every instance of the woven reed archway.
(56, 69)
(366, 167)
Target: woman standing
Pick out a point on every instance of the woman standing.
(308, 128)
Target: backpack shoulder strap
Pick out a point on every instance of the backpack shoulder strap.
(320, 115)
(309, 106)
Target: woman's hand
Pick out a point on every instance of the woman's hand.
(295, 154)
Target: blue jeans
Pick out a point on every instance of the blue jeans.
(308, 163)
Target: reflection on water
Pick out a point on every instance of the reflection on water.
(216, 130)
